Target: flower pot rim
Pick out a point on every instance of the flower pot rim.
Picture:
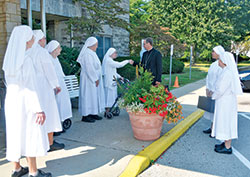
(143, 113)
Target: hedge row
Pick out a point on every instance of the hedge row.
(68, 61)
(128, 71)
(70, 66)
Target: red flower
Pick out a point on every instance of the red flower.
(165, 105)
(142, 100)
(170, 95)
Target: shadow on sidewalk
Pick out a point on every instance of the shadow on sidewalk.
(78, 158)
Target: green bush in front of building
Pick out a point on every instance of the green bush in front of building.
(70, 66)
(68, 61)
(128, 71)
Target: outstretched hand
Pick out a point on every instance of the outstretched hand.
(157, 83)
(131, 62)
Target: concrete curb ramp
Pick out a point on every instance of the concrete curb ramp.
(143, 159)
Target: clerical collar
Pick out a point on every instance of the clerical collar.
(151, 49)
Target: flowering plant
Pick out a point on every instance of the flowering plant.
(142, 96)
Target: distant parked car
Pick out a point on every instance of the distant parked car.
(244, 73)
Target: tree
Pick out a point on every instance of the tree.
(96, 14)
(201, 24)
(239, 14)
(141, 26)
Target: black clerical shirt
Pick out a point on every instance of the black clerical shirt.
(152, 62)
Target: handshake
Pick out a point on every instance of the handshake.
(131, 62)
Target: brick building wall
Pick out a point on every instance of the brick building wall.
(10, 16)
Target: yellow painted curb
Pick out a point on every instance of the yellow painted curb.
(142, 160)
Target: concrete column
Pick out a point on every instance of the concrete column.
(10, 16)
(43, 15)
(29, 12)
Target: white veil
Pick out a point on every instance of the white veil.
(106, 56)
(52, 45)
(15, 53)
(219, 50)
(89, 42)
(228, 59)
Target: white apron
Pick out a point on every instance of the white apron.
(91, 98)
(62, 98)
(212, 76)
(109, 83)
(24, 136)
(225, 126)
(47, 80)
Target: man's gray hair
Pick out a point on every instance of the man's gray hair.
(149, 40)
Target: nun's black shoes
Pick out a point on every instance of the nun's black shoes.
(207, 131)
(96, 117)
(210, 136)
(42, 174)
(88, 118)
(56, 146)
(23, 171)
(221, 148)
(59, 133)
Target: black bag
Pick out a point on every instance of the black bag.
(206, 104)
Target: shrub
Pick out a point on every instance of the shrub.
(142, 96)
(128, 71)
(177, 66)
(68, 60)
(70, 66)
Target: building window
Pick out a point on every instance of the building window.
(104, 43)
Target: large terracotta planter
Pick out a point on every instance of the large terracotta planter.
(146, 127)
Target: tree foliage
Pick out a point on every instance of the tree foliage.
(203, 24)
(96, 14)
(141, 26)
(193, 22)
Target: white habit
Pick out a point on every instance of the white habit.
(47, 78)
(227, 87)
(24, 136)
(109, 67)
(91, 98)
(62, 98)
(212, 76)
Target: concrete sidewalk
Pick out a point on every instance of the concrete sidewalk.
(104, 148)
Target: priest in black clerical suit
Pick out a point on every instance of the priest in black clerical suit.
(151, 61)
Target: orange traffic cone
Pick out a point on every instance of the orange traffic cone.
(176, 83)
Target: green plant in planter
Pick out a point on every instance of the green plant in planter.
(142, 96)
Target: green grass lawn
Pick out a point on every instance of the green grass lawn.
(243, 64)
(198, 72)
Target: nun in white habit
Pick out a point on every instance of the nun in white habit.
(91, 97)
(212, 76)
(62, 98)
(142, 49)
(25, 130)
(225, 115)
(109, 67)
(48, 87)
